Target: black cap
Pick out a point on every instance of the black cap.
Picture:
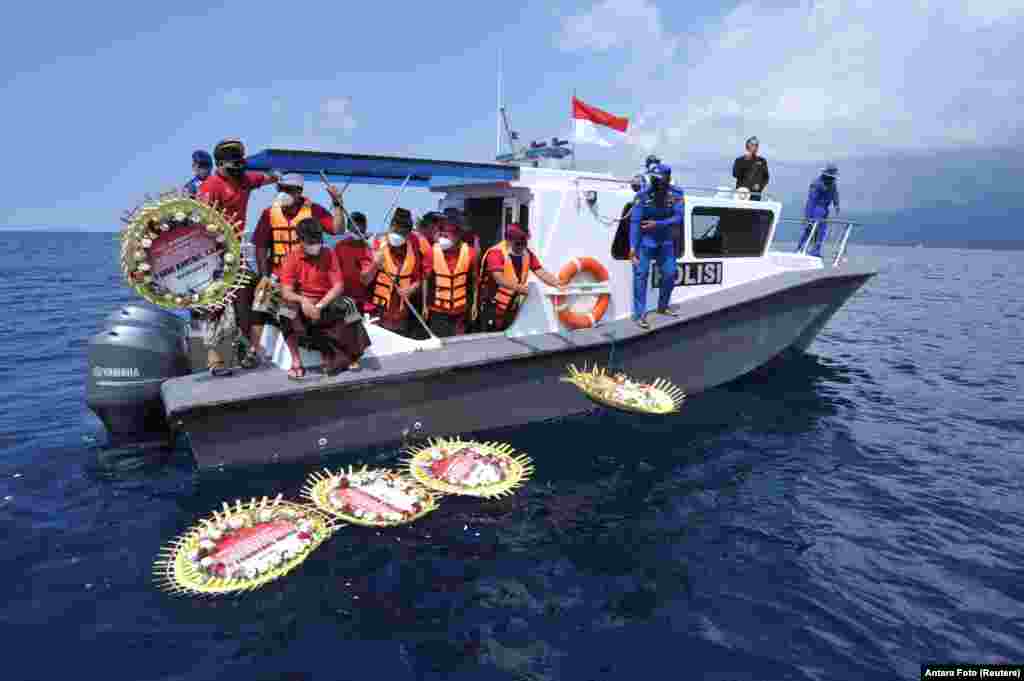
(403, 218)
(310, 231)
(359, 217)
(229, 150)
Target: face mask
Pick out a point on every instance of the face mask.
(518, 247)
(203, 173)
(284, 199)
(235, 169)
(445, 243)
(396, 240)
(313, 249)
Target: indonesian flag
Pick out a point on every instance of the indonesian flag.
(594, 126)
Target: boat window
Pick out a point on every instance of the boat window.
(730, 232)
(484, 216)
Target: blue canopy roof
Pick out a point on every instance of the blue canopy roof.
(380, 170)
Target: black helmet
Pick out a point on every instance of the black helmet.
(229, 150)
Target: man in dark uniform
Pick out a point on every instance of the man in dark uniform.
(656, 215)
(751, 170)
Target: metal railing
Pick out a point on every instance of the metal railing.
(808, 237)
(722, 192)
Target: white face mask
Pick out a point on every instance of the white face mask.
(445, 243)
(396, 240)
(313, 250)
(284, 199)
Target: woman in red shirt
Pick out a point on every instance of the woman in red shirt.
(311, 279)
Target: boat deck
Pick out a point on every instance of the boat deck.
(201, 390)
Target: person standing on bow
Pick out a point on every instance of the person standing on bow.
(202, 164)
(823, 193)
(450, 283)
(751, 170)
(229, 189)
(504, 280)
(275, 237)
(656, 215)
(398, 266)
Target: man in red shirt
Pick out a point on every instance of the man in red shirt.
(504, 281)
(275, 237)
(398, 264)
(355, 257)
(311, 280)
(450, 284)
(229, 188)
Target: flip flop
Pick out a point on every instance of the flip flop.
(296, 373)
(219, 371)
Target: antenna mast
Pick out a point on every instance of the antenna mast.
(501, 110)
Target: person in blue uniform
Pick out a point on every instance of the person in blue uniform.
(824, 192)
(657, 213)
(202, 164)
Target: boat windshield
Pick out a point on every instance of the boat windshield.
(730, 232)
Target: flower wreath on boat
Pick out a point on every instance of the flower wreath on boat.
(179, 252)
(242, 548)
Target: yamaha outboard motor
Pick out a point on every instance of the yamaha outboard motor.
(138, 350)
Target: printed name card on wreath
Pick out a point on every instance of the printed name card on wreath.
(179, 252)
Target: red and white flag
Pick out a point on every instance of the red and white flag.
(594, 126)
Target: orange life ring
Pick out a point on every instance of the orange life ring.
(575, 320)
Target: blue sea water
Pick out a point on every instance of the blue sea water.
(845, 515)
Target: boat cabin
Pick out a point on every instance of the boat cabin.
(572, 215)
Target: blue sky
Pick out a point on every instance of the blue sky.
(104, 102)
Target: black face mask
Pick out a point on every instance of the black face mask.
(236, 169)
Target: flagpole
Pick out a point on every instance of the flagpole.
(572, 131)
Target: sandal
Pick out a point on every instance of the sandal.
(219, 370)
(296, 373)
(251, 360)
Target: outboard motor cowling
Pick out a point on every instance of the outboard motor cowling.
(127, 365)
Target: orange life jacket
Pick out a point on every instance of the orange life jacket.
(282, 231)
(389, 275)
(451, 288)
(503, 297)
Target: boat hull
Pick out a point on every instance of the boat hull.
(695, 352)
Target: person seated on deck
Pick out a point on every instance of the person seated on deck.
(354, 258)
(275, 238)
(504, 274)
(450, 283)
(311, 279)
(397, 272)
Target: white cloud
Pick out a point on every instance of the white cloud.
(832, 78)
(632, 24)
(336, 114)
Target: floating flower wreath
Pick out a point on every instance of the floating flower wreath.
(477, 469)
(242, 548)
(621, 392)
(152, 225)
(372, 498)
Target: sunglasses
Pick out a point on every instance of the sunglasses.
(289, 189)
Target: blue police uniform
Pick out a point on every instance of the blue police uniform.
(654, 244)
(820, 197)
(192, 186)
